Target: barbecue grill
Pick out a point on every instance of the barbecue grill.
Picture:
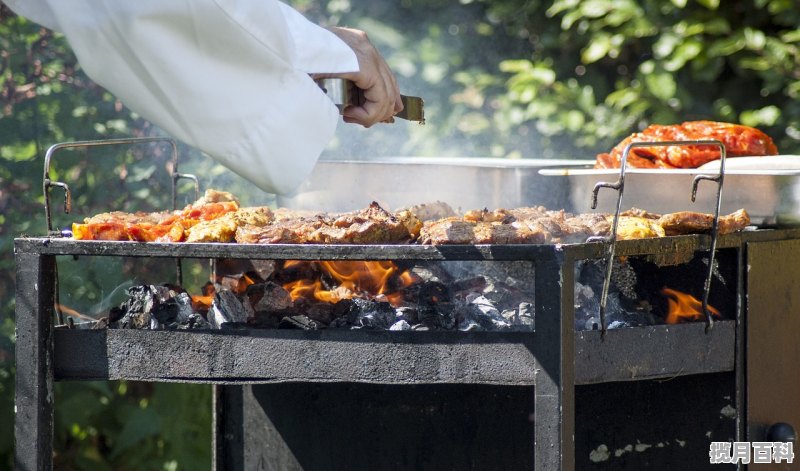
(555, 398)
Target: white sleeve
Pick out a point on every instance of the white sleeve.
(35, 10)
(229, 77)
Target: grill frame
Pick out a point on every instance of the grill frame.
(554, 358)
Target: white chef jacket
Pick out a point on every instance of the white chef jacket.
(229, 77)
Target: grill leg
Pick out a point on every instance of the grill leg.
(554, 350)
(33, 424)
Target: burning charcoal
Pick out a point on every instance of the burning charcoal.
(226, 309)
(136, 311)
(480, 314)
(298, 322)
(172, 310)
(408, 314)
(434, 308)
(323, 313)
(370, 314)
(194, 321)
(400, 325)
(506, 296)
(521, 318)
(268, 297)
(433, 292)
(437, 316)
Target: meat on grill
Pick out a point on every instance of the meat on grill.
(537, 225)
(739, 140)
(686, 222)
(217, 218)
(163, 226)
(373, 225)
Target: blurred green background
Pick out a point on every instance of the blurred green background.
(504, 78)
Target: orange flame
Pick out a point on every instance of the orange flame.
(353, 278)
(203, 302)
(243, 282)
(683, 307)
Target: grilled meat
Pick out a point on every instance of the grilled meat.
(461, 231)
(538, 226)
(739, 140)
(633, 227)
(373, 225)
(687, 222)
(431, 211)
(223, 228)
(534, 225)
(217, 218)
(164, 226)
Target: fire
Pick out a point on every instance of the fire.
(203, 302)
(683, 307)
(242, 283)
(237, 284)
(353, 278)
(332, 281)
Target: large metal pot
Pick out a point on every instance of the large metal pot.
(465, 183)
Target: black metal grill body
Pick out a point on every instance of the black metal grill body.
(546, 366)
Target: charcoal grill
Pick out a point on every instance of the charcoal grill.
(548, 395)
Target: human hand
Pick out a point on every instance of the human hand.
(380, 91)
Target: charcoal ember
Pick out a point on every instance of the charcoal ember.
(436, 316)
(480, 314)
(427, 293)
(268, 296)
(400, 325)
(587, 310)
(194, 321)
(408, 314)
(225, 309)
(322, 313)
(521, 319)
(171, 311)
(505, 296)
(368, 314)
(136, 311)
(299, 322)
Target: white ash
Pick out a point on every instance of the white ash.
(400, 325)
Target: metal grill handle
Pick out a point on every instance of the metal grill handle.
(48, 183)
(619, 185)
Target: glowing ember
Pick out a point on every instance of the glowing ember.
(353, 279)
(683, 307)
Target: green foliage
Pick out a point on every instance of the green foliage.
(570, 78)
(504, 78)
(46, 99)
(128, 425)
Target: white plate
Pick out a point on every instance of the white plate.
(774, 165)
(769, 162)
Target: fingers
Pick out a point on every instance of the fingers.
(375, 79)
